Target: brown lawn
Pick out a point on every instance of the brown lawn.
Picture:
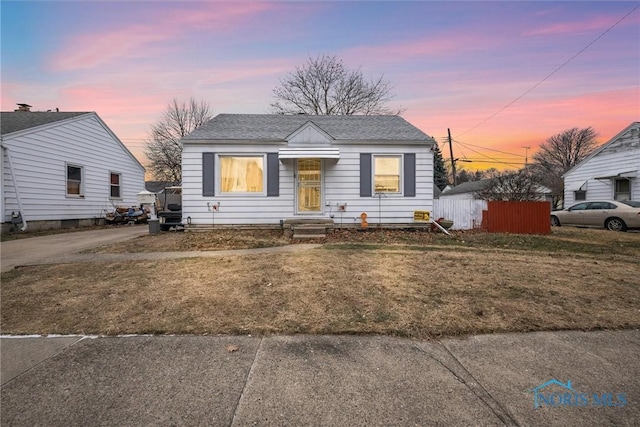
(413, 284)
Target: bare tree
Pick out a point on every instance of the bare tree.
(512, 186)
(325, 86)
(164, 148)
(560, 153)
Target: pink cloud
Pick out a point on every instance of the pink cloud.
(123, 42)
(447, 44)
(593, 25)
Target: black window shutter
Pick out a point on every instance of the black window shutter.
(410, 175)
(208, 174)
(273, 175)
(365, 175)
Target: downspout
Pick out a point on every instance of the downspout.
(15, 186)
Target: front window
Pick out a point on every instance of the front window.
(580, 195)
(242, 174)
(74, 180)
(386, 173)
(622, 189)
(115, 186)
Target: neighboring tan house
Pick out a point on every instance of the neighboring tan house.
(609, 173)
(260, 169)
(63, 169)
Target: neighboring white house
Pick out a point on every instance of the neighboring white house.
(609, 173)
(63, 169)
(469, 191)
(465, 191)
(257, 169)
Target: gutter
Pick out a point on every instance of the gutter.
(15, 186)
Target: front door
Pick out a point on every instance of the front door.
(309, 186)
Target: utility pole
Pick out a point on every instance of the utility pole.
(526, 155)
(453, 162)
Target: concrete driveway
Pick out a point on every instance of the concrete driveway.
(45, 249)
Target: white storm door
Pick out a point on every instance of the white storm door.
(309, 186)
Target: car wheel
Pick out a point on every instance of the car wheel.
(555, 221)
(615, 224)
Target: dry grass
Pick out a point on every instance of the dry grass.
(382, 283)
(222, 239)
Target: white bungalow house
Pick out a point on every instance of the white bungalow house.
(609, 173)
(62, 169)
(257, 169)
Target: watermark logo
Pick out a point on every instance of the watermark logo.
(554, 393)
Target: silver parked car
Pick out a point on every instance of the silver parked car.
(612, 215)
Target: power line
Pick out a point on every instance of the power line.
(488, 149)
(477, 152)
(500, 163)
(550, 74)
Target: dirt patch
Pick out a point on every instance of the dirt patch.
(385, 283)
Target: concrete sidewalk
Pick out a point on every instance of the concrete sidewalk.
(321, 380)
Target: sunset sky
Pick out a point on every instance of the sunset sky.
(453, 64)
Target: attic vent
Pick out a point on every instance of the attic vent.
(24, 107)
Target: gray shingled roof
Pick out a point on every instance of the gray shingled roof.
(279, 126)
(468, 187)
(14, 121)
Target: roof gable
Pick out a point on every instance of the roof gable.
(15, 121)
(19, 123)
(309, 133)
(277, 127)
(628, 139)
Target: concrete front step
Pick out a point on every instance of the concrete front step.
(310, 231)
(309, 236)
(307, 229)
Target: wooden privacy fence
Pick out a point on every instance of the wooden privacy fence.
(466, 214)
(517, 217)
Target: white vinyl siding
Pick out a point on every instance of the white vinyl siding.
(341, 185)
(39, 157)
(620, 155)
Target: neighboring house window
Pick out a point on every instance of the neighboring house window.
(242, 174)
(74, 180)
(115, 186)
(580, 195)
(622, 189)
(386, 174)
